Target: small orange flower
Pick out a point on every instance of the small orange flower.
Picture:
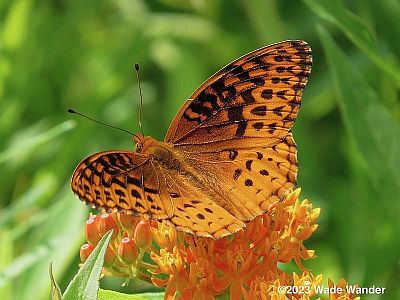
(263, 290)
(238, 265)
(203, 281)
(171, 264)
(164, 235)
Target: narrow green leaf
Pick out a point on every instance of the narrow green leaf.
(376, 134)
(111, 295)
(335, 12)
(85, 284)
(55, 289)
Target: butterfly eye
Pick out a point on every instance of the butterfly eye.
(138, 147)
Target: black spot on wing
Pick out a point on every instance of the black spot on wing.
(259, 110)
(235, 113)
(267, 94)
(248, 182)
(136, 194)
(233, 154)
(201, 216)
(241, 129)
(237, 174)
(248, 164)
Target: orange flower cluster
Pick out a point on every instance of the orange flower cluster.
(245, 265)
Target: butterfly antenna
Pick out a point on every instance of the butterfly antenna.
(71, 111)
(141, 97)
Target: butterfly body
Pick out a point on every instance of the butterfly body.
(228, 156)
(160, 152)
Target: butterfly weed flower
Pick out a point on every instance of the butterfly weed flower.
(247, 265)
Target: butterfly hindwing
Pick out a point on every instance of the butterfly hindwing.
(121, 181)
(250, 180)
(197, 211)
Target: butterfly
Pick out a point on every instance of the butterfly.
(228, 156)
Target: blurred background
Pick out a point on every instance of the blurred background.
(80, 54)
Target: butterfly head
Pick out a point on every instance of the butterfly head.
(142, 142)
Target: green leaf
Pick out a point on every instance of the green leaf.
(376, 134)
(85, 284)
(356, 30)
(55, 289)
(111, 295)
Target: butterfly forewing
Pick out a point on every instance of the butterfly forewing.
(252, 101)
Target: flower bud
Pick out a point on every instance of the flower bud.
(127, 250)
(107, 222)
(143, 235)
(85, 251)
(92, 229)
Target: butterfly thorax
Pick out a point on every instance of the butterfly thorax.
(162, 153)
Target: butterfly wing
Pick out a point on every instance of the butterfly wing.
(252, 101)
(122, 181)
(236, 127)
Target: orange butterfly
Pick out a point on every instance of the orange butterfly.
(228, 156)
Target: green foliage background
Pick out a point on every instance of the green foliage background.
(60, 54)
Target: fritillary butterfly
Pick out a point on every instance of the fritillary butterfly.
(228, 156)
